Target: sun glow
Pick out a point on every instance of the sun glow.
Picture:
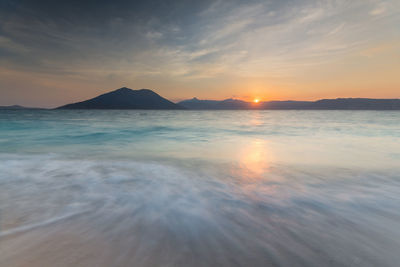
(256, 100)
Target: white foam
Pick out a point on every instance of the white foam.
(30, 227)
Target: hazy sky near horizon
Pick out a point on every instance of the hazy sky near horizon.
(56, 52)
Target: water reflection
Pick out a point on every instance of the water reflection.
(255, 158)
(256, 118)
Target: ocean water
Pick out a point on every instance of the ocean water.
(199, 188)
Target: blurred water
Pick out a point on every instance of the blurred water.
(199, 188)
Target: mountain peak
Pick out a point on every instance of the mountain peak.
(123, 89)
(129, 90)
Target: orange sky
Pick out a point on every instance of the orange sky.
(297, 51)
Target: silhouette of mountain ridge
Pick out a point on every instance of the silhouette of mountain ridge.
(125, 98)
(322, 104)
(16, 107)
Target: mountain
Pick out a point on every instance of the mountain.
(327, 104)
(289, 104)
(357, 103)
(233, 104)
(195, 103)
(15, 107)
(125, 98)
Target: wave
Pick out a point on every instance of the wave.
(180, 213)
(47, 222)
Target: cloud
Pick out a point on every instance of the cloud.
(11, 46)
(378, 10)
(302, 35)
(188, 41)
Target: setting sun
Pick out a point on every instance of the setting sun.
(256, 100)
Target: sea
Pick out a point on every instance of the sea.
(199, 188)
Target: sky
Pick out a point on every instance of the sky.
(57, 52)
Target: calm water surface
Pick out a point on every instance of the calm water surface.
(199, 188)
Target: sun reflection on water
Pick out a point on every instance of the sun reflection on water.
(255, 158)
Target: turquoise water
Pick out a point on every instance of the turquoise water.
(199, 188)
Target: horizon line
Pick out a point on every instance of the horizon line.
(237, 99)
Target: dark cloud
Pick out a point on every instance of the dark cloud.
(45, 34)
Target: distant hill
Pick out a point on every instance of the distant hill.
(15, 107)
(195, 103)
(125, 98)
(328, 104)
(357, 103)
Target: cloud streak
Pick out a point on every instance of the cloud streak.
(187, 42)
